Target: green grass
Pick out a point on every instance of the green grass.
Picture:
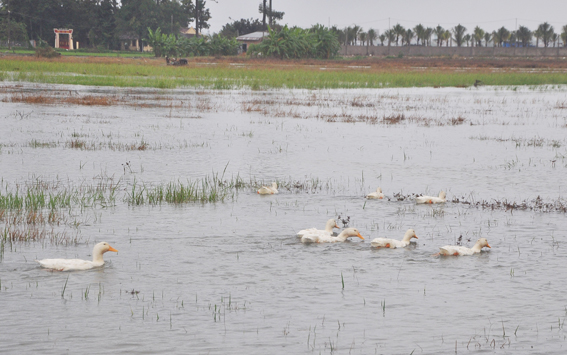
(227, 77)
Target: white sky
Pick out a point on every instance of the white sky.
(488, 14)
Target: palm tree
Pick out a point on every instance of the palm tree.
(390, 36)
(546, 31)
(487, 38)
(371, 36)
(564, 36)
(408, 36)
(362, 37)
(554, 39)
(467, 38)
(459, 33)
(478, 36)
(501, 35)
(399, 30)
(447, 36)
(537, 35)
(524, 35)
(513, 39)
(419, 33)
(439, 32)
(355, 32)
(428, 34)
(382, 39)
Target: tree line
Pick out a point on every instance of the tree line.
(99, 23)
(457, 35)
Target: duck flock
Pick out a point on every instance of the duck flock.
(311, 235)
(314, 235)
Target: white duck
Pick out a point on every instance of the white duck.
(376, 195)
(315, 238)
(327, 231)
(268, 190)
(458, 250)
(78, 264)
(432, 199)
(394, 243)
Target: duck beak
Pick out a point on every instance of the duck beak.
(361, 237)
(336, 226)
(415, 236)
(112, 249)
(488, 246)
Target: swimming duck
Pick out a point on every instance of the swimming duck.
(458, 250)
(78, 264)
(394, 243)
(431, 199)
(346, 233)
(268, 190)
(331, 223)
(376, 195)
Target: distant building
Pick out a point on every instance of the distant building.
(251, 38)
(129, 42)
(65, 42)
(187, 32)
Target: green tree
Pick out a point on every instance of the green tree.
(390, 36)
(420, 33)
(546, 32)
(267, 11)
(428, 34)
(524, 35)
(362, 36)
(325, 42)
(501, 35)
(467, 38)
(372, 35)
(382, 39)
(439, 32)
(399, 31)
(487, 38)
(478, 36)
(408, 36)
(564, 35)
(201, 15)
(162, 44)
(459, 34)
(447, 37)
(241, 27)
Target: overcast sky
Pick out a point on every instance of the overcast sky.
(488, 14)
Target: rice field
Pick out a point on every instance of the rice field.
(169, 178)
(257, 75)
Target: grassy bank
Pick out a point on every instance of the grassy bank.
(259, 74)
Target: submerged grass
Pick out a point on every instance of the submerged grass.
(225, 76)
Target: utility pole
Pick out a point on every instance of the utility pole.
(197, 18)
(9, 25)
(264, 15)
(271, 24)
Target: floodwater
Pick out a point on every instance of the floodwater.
(231, 276)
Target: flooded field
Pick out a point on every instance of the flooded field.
(208, 266)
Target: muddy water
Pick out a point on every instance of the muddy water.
(231, 277)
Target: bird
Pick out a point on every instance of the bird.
(315, 238)
(331, 223)
(376, 195)
(458, 250)
(268, 190)
(78, 264)
(431, 199)
(394, 243)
